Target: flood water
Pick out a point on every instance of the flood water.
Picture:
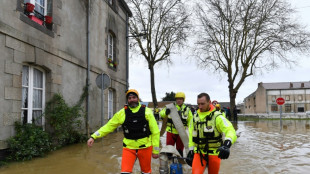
(262, 147)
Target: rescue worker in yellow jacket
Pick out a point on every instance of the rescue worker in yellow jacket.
(141, 133)
(185, 115)
(218, 108)
(206, 144)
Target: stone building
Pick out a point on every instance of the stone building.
(263, 100)
(56, 46)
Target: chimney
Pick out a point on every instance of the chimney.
(302, 85)
(291, 85)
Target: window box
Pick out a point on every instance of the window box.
(35, 19)
(111, 63)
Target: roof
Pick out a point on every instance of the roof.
(251, 95)
(224, 104)
(144, 103)
(286, 85)
(282, 85)
(125, 6)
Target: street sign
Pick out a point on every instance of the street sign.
(103, 81)
(280, 101)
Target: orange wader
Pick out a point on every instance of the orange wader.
(213, 166)
(130, 155)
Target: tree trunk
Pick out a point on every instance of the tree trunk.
(151, 67)
(233, 108)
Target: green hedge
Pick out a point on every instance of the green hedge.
(65, 124)
(30, 141)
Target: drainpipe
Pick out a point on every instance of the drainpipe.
(88, 69)
(127, 53)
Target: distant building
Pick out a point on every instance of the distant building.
(263, 100)
(224, 105)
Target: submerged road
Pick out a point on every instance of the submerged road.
(262, 147)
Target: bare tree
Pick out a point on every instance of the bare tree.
(165, 23)
(242, 37)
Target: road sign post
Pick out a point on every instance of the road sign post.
(280, 101)
(103, 81)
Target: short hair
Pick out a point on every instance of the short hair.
(204, 95)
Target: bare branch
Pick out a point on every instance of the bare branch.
(166, 23)
(241, 37)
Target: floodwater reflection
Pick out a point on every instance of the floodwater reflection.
(262, 147)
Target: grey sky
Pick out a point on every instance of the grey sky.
(184, 75)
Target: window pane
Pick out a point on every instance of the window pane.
(25, 76)
(287, 98)
(288, 108)
(300, 109)
(37, 117)
(110, 46)
(39, 9)
(110, 104)
(37, 98)
(274, 108)
(24, 97)
(41, 2)
(37, 79)
(24, 116)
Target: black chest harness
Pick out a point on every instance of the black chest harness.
(208, 137)
(135, 125)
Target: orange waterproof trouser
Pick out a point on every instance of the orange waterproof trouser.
(130, 155)
(213, 167)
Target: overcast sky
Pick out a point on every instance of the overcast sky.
(184, 75)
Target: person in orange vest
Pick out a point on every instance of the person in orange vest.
(141, 133)
(185, 114)
(206, 142)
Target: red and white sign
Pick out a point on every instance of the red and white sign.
(280, 101)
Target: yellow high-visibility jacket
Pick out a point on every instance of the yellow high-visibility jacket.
(222, 126)
(119, 118)
(187, 114)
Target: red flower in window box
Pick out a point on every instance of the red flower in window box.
(48, 19)
(29, 7)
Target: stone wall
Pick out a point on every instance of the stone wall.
(61, 55)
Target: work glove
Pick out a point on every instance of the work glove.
(224, 150)
(190, 157)
(167, 111)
